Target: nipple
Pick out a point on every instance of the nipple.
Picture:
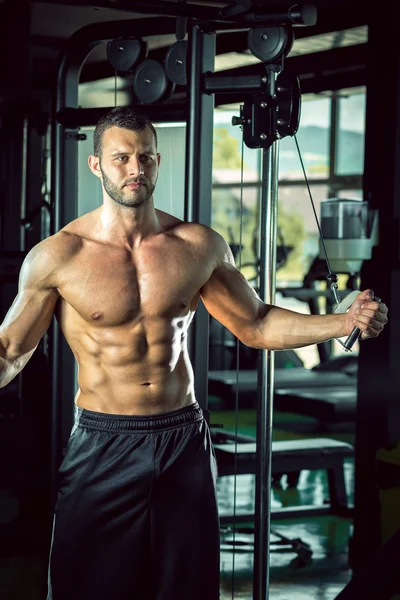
(96, 316)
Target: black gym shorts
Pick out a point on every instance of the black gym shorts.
(136, 516)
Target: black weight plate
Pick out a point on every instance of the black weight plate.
(175, 63)
(289, 101)
(124, 54)
(267, 43)
(150, 81)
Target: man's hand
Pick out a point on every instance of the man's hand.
(367, 314)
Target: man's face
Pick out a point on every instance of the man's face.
(129, 165)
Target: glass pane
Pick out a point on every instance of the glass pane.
(313, 138)
(351, 135)
(225, 219)
(298, 228)
(227, 154)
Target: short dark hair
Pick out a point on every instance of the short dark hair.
(121, 116)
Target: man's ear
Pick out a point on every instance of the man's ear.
(94, 165)
(158, 158)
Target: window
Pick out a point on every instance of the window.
(350, 134)
(313, 138)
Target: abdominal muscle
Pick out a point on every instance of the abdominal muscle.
(134, 376)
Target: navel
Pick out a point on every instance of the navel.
(97, 315)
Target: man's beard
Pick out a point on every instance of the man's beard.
(133, 200)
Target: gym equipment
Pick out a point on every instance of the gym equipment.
(287, 456)
(350, 231)
(268, 43)
(329, 396)
(150, 83)
(336, 224)
(124, 54)
(281, 544)
(175, 62)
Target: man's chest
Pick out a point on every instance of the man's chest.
(115, 288)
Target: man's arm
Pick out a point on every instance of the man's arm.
(231, 300)
(31, 311)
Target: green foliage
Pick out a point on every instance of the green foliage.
(291, 226)
(226, 150)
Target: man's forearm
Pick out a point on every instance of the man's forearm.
(11, 368)
(6, 373)
(281, 329)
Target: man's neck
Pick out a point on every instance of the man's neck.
(129, 225)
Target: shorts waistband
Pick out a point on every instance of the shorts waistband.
(126, 423)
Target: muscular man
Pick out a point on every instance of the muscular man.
(136, 515)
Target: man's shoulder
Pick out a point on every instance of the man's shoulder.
(197, 233)
(53, 252)
(205, 243)
(60, 246)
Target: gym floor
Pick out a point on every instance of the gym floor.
(328, 537)
(23, 574)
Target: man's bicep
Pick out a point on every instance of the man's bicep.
(31, 312)
(231, 300)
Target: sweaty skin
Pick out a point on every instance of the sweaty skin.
(124, 282)
(125, 314)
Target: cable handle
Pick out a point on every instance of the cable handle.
(343, 307)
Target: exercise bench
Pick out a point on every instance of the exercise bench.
(289, 456)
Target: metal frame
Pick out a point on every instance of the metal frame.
(198, 189)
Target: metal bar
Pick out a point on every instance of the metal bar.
(333, 134)
(151, 7)
(193, 126)
(296, 14)
(292, 512)
(214, 83)
(198, 185)
(268, 241)
(86, 117)
(24, 177)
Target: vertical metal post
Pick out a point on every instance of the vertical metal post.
(64, 175)
(24, 171)
(268, 240)
(198, 185)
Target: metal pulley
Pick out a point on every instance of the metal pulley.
(175, 62)
(268, 44)
(267, 118)
(288, 95)
(124, 54)
(150, 83)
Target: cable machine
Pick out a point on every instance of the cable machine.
(270, 113)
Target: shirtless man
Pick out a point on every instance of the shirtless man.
(136, 515)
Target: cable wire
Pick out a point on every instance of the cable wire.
(313, 207)
(237, 375)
